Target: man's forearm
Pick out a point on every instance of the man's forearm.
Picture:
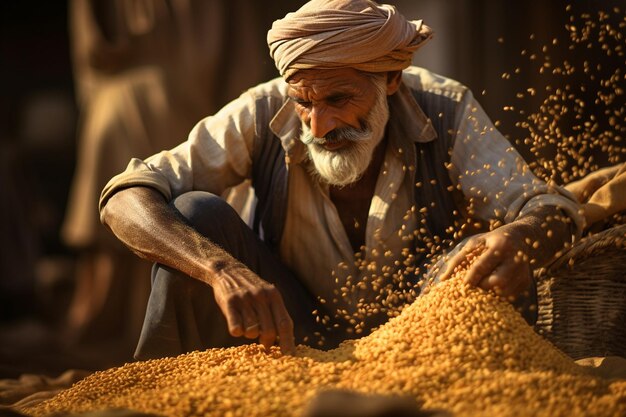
(141, 218)
(545, 233)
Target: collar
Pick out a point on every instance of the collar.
(407, 120)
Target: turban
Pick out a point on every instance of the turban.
(358, 34)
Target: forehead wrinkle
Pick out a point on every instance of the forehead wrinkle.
(323, 91)
(320, 84)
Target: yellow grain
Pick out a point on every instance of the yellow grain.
(456, 348)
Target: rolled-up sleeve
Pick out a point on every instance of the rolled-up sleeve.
(493, 176)
(216, 156)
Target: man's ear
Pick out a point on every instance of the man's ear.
(394, 78)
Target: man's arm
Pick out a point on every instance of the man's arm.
(539, 219)
(142, 219)
(505, 257)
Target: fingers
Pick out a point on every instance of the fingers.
(456, 260)
(284, 325)
(267, 336)
(483, 266)
(509, 279)
(495, 263)
(251, 323)
(498, 281)
(240, 317)
(473, 248)
(233, 319)
(257, 312)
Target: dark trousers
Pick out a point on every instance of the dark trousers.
(182, 314)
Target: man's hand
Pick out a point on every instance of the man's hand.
(253, 307)
(501, 262)
(504, 258)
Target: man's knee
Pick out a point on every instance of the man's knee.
(203, 210)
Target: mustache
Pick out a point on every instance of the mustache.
(350, 134)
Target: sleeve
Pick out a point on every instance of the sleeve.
(216, 156)
(493, 176)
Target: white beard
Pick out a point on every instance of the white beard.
(346, 165)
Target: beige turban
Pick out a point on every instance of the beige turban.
(359, 34)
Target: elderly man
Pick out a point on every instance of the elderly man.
(363, 168)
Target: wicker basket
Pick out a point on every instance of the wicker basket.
(582, 297)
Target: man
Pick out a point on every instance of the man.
(363, 168)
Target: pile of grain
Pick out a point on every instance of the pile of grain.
(455, 348)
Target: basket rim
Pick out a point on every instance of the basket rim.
(614, 236)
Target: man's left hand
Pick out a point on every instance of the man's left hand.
(498, 261)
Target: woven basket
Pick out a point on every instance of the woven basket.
(582, 297)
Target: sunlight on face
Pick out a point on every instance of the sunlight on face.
(347, 164)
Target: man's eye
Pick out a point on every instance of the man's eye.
(300, 102)
(337, 100)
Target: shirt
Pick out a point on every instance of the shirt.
(492, 176)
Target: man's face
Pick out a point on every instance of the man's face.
(343, 113)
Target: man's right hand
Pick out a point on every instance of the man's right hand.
(253, 307)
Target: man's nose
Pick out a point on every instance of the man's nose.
(321, 122)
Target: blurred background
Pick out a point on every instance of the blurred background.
(87, 84)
